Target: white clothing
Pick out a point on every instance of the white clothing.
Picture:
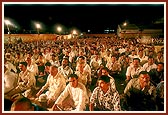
(10, 66)
(26, 80)
(116, 66)
(55, 84)
(132, 72)
(78, 94)
(83, 77)
(95, 63)
(33, 68)
(65, 71)
(132, 57)
(148, 67)
(144, 58)
(10, 81)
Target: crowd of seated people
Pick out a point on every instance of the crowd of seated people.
(104, 74)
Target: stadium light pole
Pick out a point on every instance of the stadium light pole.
(7, 22)
(125, 24)
(74, 33)
(59, 29)
(38, 26)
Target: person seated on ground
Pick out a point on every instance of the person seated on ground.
(9, 65)
(104, 98)
(26, 82)
(32, 66)
(47, 68)
(157, 75)
(95, 62)
(133, 70)
(105, 71)
(125, 63)
(133, 55)
(55, 60)
(83, 75)
(114, 66)
(159, 58)
(55, 85)
(140, 94)
(150, 64)
(74, 97)
(10, 81)
(24, 104)
(40, 61)
(65, 68)
(143, 58)
(83, 59)
(41, 78)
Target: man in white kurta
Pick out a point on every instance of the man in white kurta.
(150, 64)
(114, 66)
(26, 81)
(10, 80)
(76, 91)
(82, 59)
(65, 69)
(83, 75)
(134, 69)
(32, 66)
(55, 85)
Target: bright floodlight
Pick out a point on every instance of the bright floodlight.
(125, 24)
(7, 22)
(74, 32)
(38, 26)
(59, 29)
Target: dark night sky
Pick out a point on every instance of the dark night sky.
(82, 16)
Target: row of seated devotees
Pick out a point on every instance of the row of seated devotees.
(96, 80)
(105, 91)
